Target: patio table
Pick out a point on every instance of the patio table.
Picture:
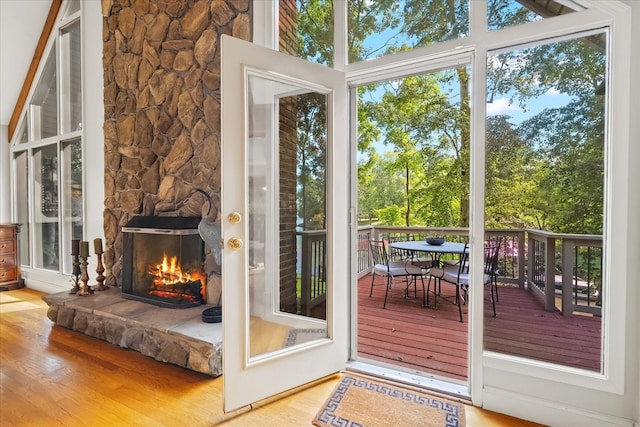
(438, 250)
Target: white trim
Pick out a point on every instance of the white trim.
(546, 412)
(389, 372)
(477, 152)
(541, 42)
(265, 23)
(353, 200)
(411, 65)
(340, 30)
(618, 219)
(46, 281)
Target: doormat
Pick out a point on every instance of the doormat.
(298, 336)
(358, 401)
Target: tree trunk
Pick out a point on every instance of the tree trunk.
(465, 137)
(407, 214)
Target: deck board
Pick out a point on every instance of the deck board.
(432, 340)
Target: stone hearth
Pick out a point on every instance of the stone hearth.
(177, 336)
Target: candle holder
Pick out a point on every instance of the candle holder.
(85, 289)
(100, 277)
(76, 275)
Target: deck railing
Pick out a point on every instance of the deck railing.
(313, 274)
(568, 268)
(563, 270)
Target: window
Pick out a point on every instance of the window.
(509, 30)
(47, 154)
(507, 13)
(545, 136)
(375, 28)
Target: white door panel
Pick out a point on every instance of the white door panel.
(270, 343)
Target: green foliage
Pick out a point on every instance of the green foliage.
(311, 111)
(547, 172)
(391, 215)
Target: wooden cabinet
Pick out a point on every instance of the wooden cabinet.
(10, 277)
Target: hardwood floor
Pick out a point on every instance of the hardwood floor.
(51, 376)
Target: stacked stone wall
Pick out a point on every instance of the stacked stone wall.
(162, 113)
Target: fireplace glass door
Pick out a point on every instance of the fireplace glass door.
(163, 262)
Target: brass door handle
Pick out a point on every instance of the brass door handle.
(234, 217)
(235, 243)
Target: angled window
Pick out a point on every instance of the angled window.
(47, 152)
(43, 111)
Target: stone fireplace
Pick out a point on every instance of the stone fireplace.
(162, 116)
(163, 261)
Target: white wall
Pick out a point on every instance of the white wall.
(93, 120)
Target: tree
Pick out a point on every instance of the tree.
(511, 177)
(380, 191)
(434, 21)
(408, 114)
(569, 140)
(311, 159)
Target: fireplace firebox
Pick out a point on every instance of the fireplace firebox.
(163, 261)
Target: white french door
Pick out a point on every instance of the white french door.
(270, 343)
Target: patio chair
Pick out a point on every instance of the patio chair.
(417, 269)
(458, 275)
(398, 254)
(491, 268)
(383, 266)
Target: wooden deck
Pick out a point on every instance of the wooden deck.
(432, 340)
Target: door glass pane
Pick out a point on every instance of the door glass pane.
(22, 203)
(545, 192)
(507, 13)
(72, 191)
(71, 78)
(286, 155)
(43, 109)
(46, 214)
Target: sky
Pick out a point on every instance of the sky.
(551, 99)
(500, 105)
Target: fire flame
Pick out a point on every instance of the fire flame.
(169, 272)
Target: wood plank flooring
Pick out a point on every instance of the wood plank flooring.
(433, 340)
(51, 376)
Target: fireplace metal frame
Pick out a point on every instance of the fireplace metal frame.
(170, 226)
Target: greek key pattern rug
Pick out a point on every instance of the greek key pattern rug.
(361, 402)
